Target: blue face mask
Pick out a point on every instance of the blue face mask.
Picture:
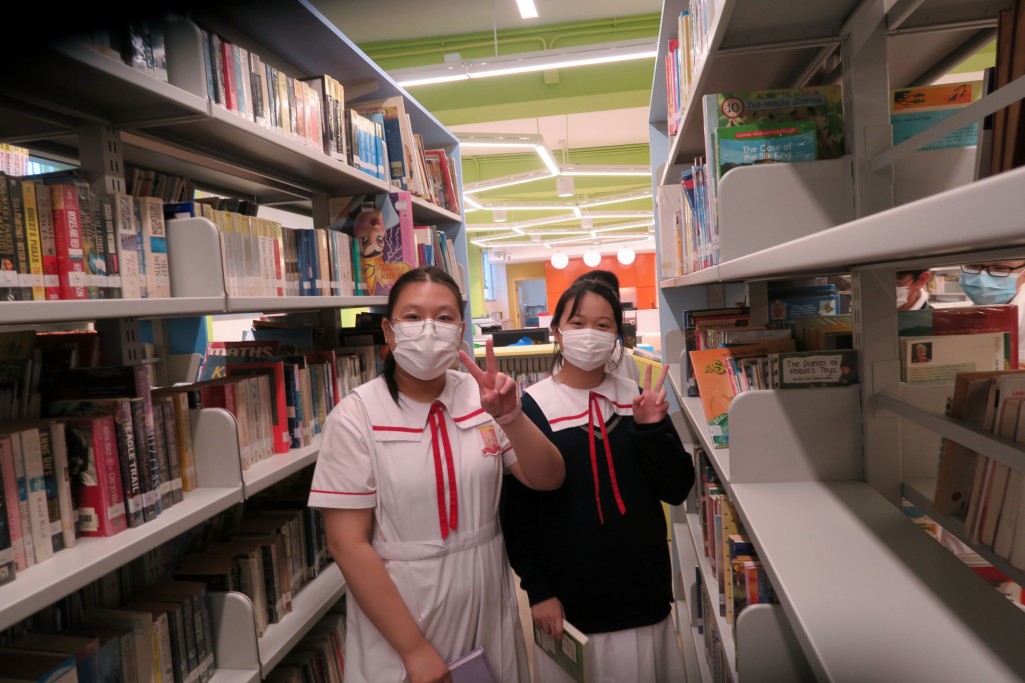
(985, 290)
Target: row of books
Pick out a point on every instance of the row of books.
(319, 656)
(162, 633)
(986, 493)
(147, 182)
(140, 43)
(14, 160)
(738, 577)
(61, 240)
(685, 53)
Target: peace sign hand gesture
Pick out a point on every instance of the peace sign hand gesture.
(498, 394)
(650, 406)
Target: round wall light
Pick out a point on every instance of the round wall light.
(626, 256)
(592, 258)
(559, 260)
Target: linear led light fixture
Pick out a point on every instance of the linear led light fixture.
(642, 224)
(531, 206)
(606, 170)
(546, 157)
(526, 62)
(616, 198)
(505, 181)
(617, 214)
(490, 228)
(527, 9)
(500, 141)
(614, 239)
(496, 238)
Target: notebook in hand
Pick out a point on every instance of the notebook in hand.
(472, 667)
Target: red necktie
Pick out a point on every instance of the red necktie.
(593, 415)
(436, 419)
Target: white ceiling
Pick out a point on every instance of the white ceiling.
(610, 128)
(369, 21)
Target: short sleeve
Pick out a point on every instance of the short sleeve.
(344, 474)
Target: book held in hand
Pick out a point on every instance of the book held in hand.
(473, 667)
(571, 653)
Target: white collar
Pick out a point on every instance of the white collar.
(565, 406)
(461, 401)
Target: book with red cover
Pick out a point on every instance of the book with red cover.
(68, 239)
(96, 475)
(218, 352)
(964, 320)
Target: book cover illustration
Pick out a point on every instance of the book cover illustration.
(763, 143)
(822, 105)
(814, 369)
(940, 358)
(912, 110)
(380, 223)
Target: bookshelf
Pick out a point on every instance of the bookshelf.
(94, 111)
(864, 594)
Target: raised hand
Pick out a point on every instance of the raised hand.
(497, 389)
(650, 406)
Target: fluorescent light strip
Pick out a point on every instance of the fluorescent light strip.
(501, 141)
(527, 9)
(473, 203)
(546, 157)
(505, 181)
(615, 199)
(526, 62)
(618, 214)
(626, 171)
(610, 228)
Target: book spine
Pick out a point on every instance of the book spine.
(149, 468)
(94, 255)
(33, 240)
(171, 439)
(21, 246)
(12, 502)
(10, 286)
(66, 502)
(230, 99)
(68, 240)
(154, 244)
(160, 443)
(35, 482)
(50, 477)
(108, 231)
(128, 247)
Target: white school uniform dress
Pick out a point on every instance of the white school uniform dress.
(432, 472)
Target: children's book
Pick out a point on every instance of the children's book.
(382, 224)
(765, 143)
(803, 369)
(913, 110)
(940, 358)
(571, 653)
(964, 320)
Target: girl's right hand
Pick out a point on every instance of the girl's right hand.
(425, 665)
(548, 615)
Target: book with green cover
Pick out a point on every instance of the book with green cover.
(764, 143)
(822, 105)
(570, 653)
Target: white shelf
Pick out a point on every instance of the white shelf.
(235, 676)
(73, 568)
(308, 606)
(277, 467)
(849, 567)
(27, 312)
(262, 304)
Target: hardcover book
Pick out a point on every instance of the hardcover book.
(96, 475)
(803, 369)
(940, 358)
(473, 667)
(572, 653)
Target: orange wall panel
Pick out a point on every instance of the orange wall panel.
(640, 274)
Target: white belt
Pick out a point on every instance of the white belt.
(419, 550)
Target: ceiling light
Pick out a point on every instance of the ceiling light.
(626, 256)
(564, 187)
(599, 170)
(472, 203)
(623, 226)
(527, 9)
(499, 215)
(532, 206)
(592, 258)
(506, 181)
(614, 199)
(584, 55)
(500, 141)
(526, 62)
(546, 157)
(559, 260)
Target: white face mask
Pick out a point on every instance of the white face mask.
(587, 349)
(425, 349)
(903, 292)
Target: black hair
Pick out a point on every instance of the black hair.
(606, 277)
(423, 274)
(574, 296)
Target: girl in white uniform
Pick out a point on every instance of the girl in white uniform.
(408, 477)
(594, 552)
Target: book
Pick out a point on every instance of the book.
(21, 243)
(182, 424)
(132, 476)
(940, 358)
(68, 241)
(85, 650)
(146, 630)
(383, 225)
(12, 507)
(47, 242)
(277, 409)
(57, 477)
(36, 667)
(116, 654)
(153, 233)
(128, 246)
(472, 667)
(913, 110)
(964, 320)
(572, 653)
(96, 475)
(804, 369)
(715, 386)
(762, 143)
(31, 460)
(33, 240)
(10, 284)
